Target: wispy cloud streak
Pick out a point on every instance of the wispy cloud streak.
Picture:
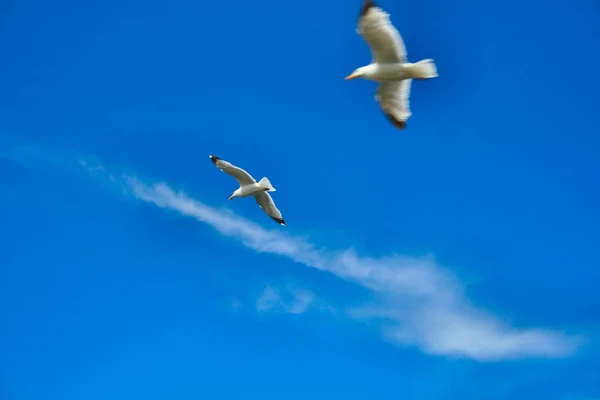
(421, 303)
(299, 300)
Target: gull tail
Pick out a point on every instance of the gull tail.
(266, 184)
(424, 69)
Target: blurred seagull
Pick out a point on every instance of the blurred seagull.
(389, 64)
(249, 187)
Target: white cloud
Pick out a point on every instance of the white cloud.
(303, 299)
(299, 302)
(268, 299)
(421, 303)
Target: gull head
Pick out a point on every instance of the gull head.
(362, 72)
(234, 194)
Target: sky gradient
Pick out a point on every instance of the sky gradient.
(456, 259)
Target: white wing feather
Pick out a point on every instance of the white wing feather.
(375, 27)
(265, 202)
(239, 174)
(393, 98)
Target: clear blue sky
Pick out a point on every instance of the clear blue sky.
(457, 259)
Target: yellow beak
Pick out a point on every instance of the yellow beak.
(352, 76)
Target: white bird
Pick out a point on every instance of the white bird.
(249, 187)
(389, 64)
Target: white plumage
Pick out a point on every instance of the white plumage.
(249, 187)
(389, 65)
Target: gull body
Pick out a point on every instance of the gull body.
(249, 187)
(249, 190)
(386, 72)
(389, 66)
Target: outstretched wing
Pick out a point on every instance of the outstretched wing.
(239, 174)
(383, 38)
(265, 202)
(393, 98)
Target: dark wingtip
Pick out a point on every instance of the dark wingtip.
(367, 5)
(396, 122)
(279, 221)
(214, 159)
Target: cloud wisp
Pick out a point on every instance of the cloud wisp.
(420, 303)
(271, 299)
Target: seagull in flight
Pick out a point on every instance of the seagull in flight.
(249, 187)
(389, 65)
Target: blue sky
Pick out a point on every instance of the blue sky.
(456, 259)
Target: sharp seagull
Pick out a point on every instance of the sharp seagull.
(389, 65)
(249, 187)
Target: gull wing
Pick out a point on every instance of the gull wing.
(265, 202)
(384, 40)
(239, 174)
(393, 98)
